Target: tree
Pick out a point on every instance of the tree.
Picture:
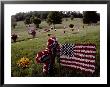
(13, 21)
(43, 15)
(32, 18)
(20, 16)
(71, 25)
(98, 16)
(68, 14)
(27, 21)
(14, 37)
(72, 17)
(90, 17)
(77, 14)
(54, 17)
(37, 21)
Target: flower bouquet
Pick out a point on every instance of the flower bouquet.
(23, 62)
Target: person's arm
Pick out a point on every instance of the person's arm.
(38, 57)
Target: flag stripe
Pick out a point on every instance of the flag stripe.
(79, 60)
(86, 45)
(78, 68)
(92, 49)
(86, 53)
(78, 57)
(84, 56)
(78, 64)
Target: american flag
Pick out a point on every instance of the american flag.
(78, 56)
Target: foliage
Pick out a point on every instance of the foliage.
(13, 22)
(75, 14)
(27, 21)
(72, 17)
(90, 17)
(14, 37)
(20, 16)
(37, 21)
(54, 17)
(71, 25)
(32, 18)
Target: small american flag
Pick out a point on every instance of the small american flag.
(78, 56)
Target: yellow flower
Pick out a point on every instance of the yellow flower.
(23, 62)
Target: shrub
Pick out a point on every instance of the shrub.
(33, 33)
(71, 25)
(14, 24)
(14, 37)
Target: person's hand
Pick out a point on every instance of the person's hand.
(36, 61)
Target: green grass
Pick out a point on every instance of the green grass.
(26, 47)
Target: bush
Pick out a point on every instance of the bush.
(66, 19)
(90, 17)
(14, 24)
(14, 37)
(33, 33)
(40, 27)
(37, 21)
(72, 17)
(71, 25)
(27, 21)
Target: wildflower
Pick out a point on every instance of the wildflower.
(23, 62)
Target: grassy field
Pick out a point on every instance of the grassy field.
(27, 47)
